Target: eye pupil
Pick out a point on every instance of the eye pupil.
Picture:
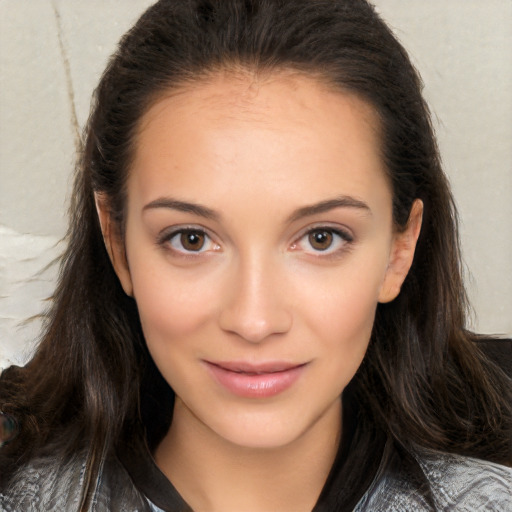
(320, 240)
(192, 240)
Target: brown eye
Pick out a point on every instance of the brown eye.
(320, 240)
(192, 240)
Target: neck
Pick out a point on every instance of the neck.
(213, 474)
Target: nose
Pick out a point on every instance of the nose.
(257, 305)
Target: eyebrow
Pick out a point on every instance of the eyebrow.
(182, 206)
(328, 205)
(305, 211)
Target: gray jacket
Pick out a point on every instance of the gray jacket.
(450, 482)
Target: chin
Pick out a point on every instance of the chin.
(260, 439)
(265, 430)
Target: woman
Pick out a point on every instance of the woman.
(261, 301)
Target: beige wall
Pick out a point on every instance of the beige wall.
(51, 56)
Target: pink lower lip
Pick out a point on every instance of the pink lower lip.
(261, 385)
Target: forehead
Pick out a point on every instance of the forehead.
(287, 96)
(285, 131)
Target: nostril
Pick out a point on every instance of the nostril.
(255, 330)
(253, 309)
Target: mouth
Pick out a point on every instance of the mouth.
(260, 380)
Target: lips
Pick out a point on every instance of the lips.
(260, 380)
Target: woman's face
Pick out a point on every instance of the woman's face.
(258, 243)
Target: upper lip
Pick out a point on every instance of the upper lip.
(256, 368)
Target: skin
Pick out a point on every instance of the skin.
(256, 153)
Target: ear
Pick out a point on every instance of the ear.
(402, 254)
(113, 243)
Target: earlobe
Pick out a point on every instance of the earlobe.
(402, 254)
(113, 243)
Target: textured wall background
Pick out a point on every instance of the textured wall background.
(52, 53)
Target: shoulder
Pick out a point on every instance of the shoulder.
(465, 483)
(51, 484)
(44, 484)
(427, 481)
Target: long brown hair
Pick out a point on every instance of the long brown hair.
(92, 382)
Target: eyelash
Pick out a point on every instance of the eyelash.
(344, 240)
(341, 238)
(166, 238)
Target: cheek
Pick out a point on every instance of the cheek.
(347, 323)
(171, 305)
(347, 315)
(342, 310)
(173, 314)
